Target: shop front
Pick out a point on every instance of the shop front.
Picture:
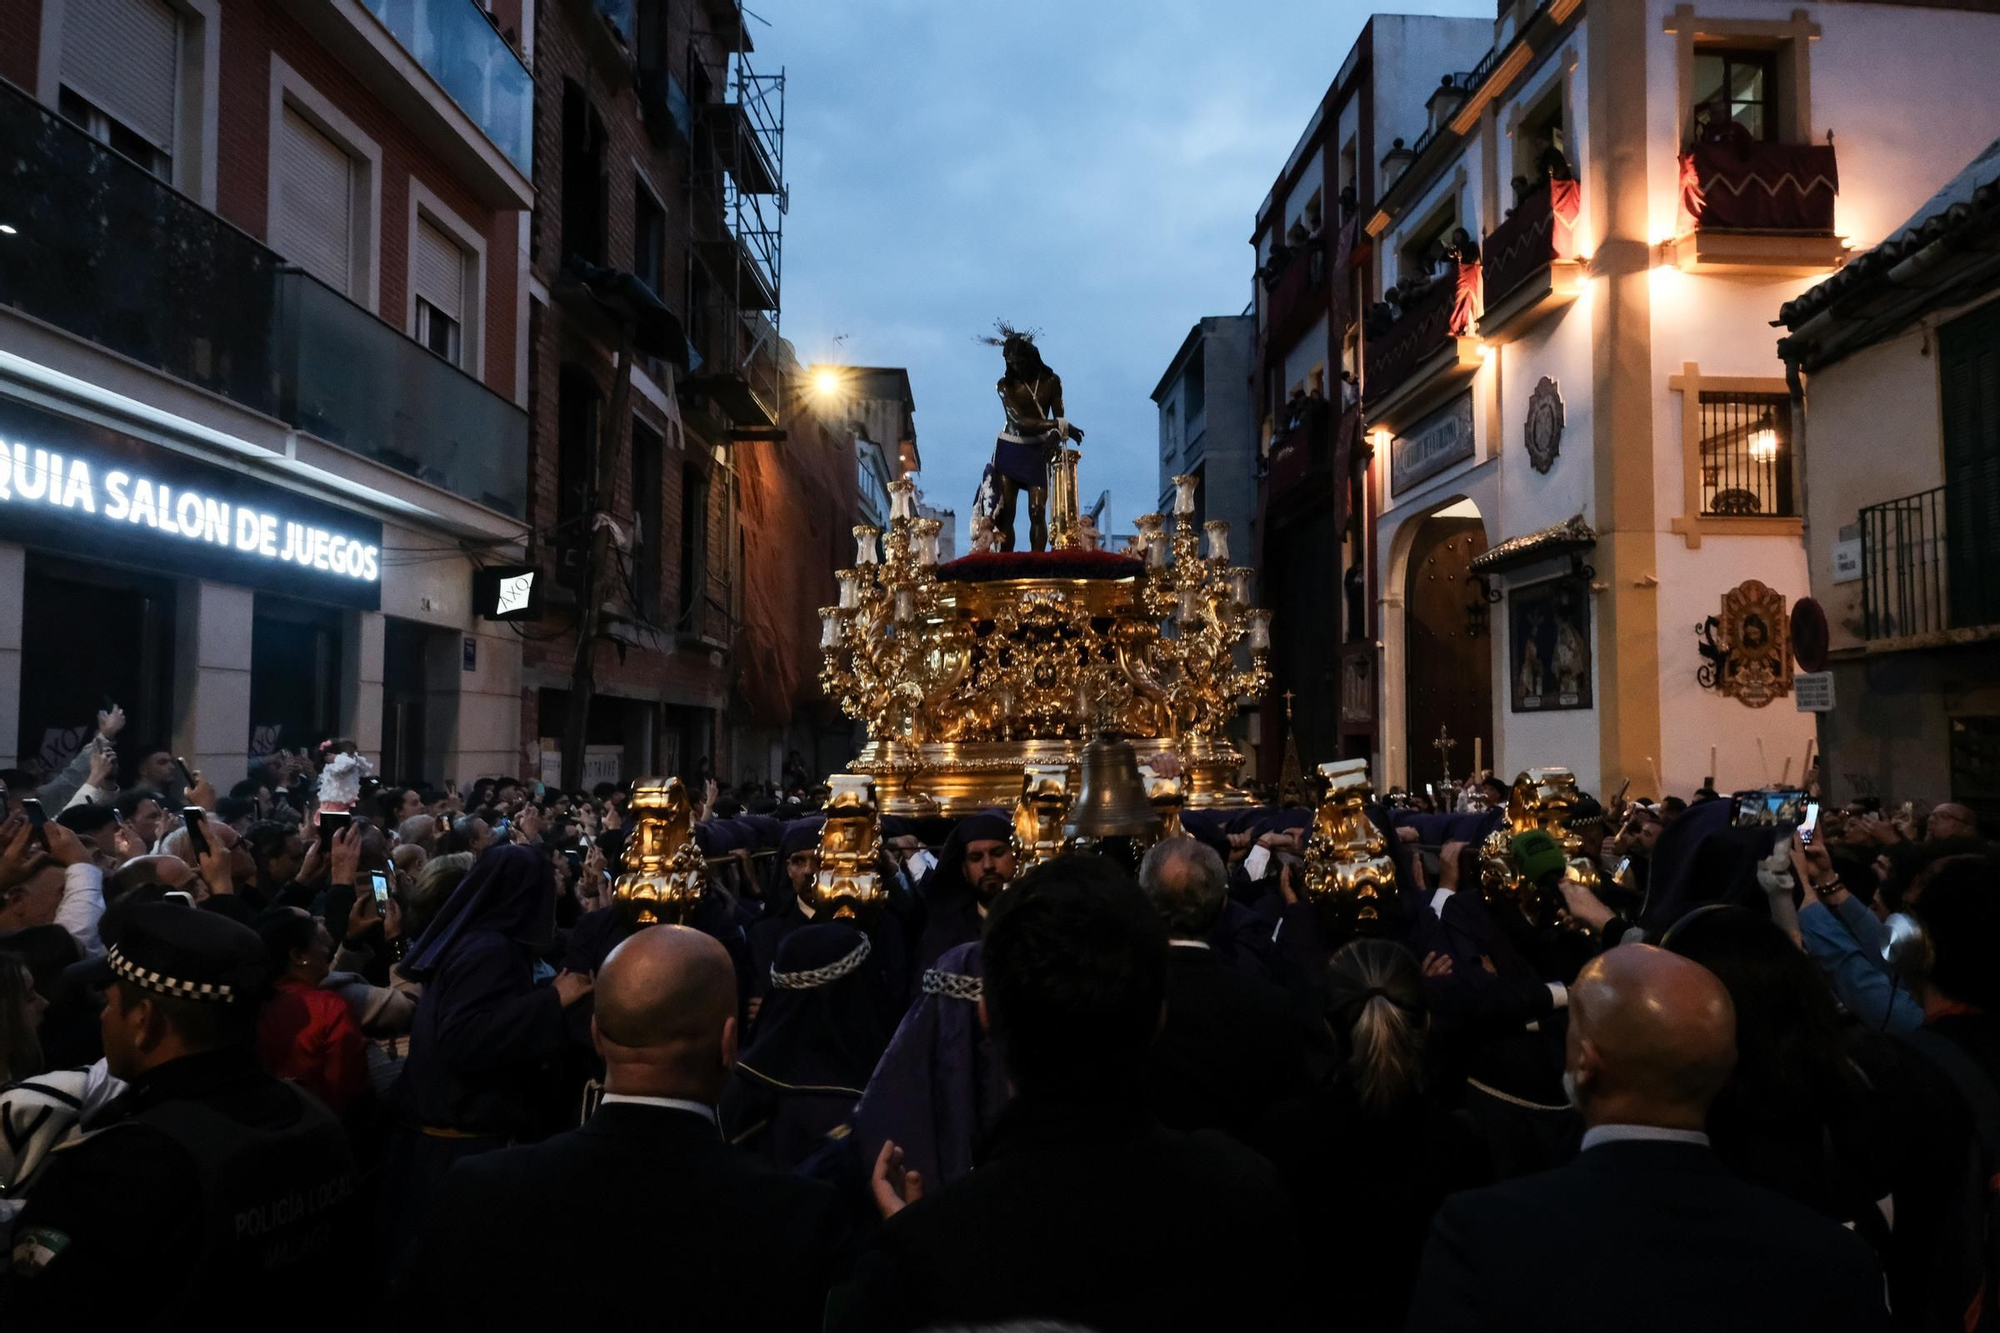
(216, 607)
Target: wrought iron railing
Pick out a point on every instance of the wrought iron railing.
(1922, 565)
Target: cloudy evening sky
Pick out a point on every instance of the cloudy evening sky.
(1090, 168)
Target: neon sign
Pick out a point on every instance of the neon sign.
(84, 491)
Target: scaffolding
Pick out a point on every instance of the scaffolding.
(739, 204)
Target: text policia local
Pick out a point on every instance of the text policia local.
(41, 475)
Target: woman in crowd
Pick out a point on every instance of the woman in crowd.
(1371, 1153)
(306, 1033)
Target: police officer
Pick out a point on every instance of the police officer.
(208, 1193)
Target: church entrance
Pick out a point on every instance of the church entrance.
(1449, 680)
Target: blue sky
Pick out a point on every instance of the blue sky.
(1091, 169)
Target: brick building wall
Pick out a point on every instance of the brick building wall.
(563, 334)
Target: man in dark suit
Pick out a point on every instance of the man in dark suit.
(1232, 1045)
(1645, 1229)
(644, 1215)
(1083, 1208)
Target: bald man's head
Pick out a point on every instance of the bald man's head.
(665, 1019)
(1952, 820)
(1652, 1038)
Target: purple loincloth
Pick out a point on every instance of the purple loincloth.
(1027, 464)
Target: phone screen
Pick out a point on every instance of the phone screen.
(33, 809)
(380, 883)
(1809, 825)
(187, 774)
(194, 817)
(1780, 806)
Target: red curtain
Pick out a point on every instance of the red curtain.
(1752, 186)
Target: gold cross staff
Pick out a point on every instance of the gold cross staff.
(1444, 745)
(1288, 705)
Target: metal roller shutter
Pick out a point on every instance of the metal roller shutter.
(124, 57)
(437, 270)
(313, 227)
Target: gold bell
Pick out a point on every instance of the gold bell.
(1112, 801)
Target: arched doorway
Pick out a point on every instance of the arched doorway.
(1448, 662)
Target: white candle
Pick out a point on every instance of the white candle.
(829, 628)
(1156, 551)
(1190, 607)
(902, 502)
(1260, 631)
(906, 605)
(864, 545)
(850, 594)
(1218, 539)
(1184, 494)
(1239, 584)
(1478, 755)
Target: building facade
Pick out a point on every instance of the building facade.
(1586, 524)
(1899, 359)
(1208, 426)
(1313, 280)
(659, 159)
(263, 376)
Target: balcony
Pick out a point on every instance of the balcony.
(1309, 464)
(733, 362)
(1427, 350)
(442, 70)
(113, 255)
(1529, 263)
(1754, 207)
(1925, 581)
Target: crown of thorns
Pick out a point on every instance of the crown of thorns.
(1004, 333)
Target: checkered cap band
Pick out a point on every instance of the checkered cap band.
(162, 984)
(822, 976)
(953, 985)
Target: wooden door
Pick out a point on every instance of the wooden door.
(1450, 672)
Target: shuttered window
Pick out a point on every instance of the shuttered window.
(124, 58)
(438, 276)
(314, 225)
(437, 268)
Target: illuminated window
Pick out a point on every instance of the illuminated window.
(1746, 455)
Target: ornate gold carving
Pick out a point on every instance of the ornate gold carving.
(1039, 816)
(962, 684)
(1542, 798)
(849, 848)
(1757, 635)
(1347, 864)
(671, 873)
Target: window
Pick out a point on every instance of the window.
(694, 547)
(1746, 455)
(648, 450)
(313, 222)
(1194, 383)
(1541, 150)
(438, 272)
(582, 177)
(649, 239)
(120, 76)
(1170, 431)
(1424, 250)
(1735, 87)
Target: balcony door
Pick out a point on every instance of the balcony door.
(1969, 382)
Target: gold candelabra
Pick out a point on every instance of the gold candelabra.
(1348, 870)
(963, 680)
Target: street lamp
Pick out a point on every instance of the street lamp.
(826, 382)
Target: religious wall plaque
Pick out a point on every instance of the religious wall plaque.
(1548, 648)
(1544, 429)
(1432, 445)
(1756, 633)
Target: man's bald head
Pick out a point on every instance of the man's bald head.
(665, 1019)
(1952, 820)
(1652, 1038)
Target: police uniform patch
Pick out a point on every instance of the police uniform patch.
(36, 1248)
